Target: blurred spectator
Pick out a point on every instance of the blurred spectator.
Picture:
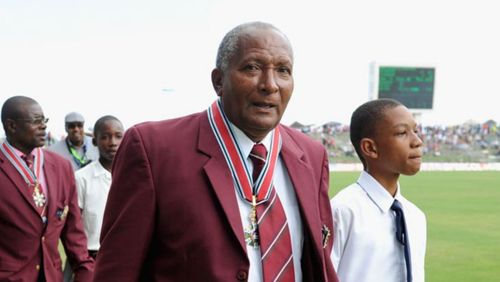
(478, 142)
(77, 147)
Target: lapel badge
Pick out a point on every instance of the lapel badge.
(62, 213)
(326, 233)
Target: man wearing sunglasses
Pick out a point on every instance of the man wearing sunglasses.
(79, 150)
(76, 147)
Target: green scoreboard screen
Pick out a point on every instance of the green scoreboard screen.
(412, 86)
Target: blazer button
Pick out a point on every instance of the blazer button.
(37, 267)
(242, 275)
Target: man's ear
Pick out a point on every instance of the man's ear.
(369, 148)
(217, 79)
(10, 126)
(94, 141)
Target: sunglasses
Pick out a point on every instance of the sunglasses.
(72, 125)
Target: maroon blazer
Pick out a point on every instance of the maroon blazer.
(25, 241)
(172, 213)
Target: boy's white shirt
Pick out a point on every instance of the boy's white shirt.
(92, 183)
(365, 245)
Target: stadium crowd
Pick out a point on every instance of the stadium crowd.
(470, 141)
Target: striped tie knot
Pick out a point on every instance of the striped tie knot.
(258, 156)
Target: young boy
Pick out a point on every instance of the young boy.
(93, 181)
(370, 240)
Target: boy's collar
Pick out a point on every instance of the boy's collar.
(376, 192)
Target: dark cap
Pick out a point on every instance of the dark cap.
(74, 117)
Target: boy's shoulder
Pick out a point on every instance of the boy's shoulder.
(411, 208)
(89, 170)
(349, 197)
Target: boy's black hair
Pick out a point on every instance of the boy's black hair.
(364, 120)
(100, 122)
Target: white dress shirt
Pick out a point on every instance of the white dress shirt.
(92, 183)
(365, 246)
(286, 193)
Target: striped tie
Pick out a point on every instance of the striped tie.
(274, 235)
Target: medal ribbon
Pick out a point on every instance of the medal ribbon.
(261, 189)
(30, 177)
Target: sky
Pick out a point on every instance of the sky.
(151, 60)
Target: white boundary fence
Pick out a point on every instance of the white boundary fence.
(427, 167)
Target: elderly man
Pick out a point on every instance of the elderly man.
(226, 194)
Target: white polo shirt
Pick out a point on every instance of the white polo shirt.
(365, 247)
(92, 183)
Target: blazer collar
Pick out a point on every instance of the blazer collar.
(221, 181)
(18, 181)
(50, 169)
(306, 189)
(220, 178)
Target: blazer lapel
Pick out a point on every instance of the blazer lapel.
(17, 180)
(301, 175)
(220, 178)
(51, 180)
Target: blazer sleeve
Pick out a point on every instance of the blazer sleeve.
(326, 218)
(73, 236)
(129, 215)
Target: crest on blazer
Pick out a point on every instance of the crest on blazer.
(62, 213)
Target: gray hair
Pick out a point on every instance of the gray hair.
(229, 44)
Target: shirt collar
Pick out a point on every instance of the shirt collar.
(100, 170)
(376, 192)
(17, 152)
(246, 144)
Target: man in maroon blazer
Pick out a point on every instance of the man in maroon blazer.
(38, 202)
(183, 204)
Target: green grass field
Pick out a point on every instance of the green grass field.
(463, 221)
